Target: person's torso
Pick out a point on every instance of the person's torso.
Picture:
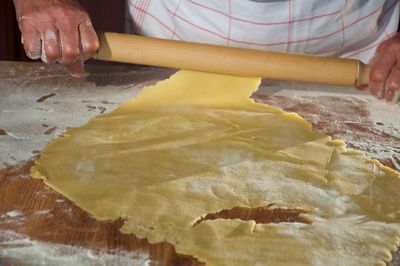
(346, 28)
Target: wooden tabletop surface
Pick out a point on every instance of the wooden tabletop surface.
(38, 102)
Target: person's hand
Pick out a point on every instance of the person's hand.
(57, 31)
(385, 70)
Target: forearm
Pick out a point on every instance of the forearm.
(22, 5)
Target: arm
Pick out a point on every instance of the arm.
(57, 31)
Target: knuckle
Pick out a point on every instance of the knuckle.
(394, 84)
(377, 76)
(52, 53)
(97, 45)
(82, 15)
(395, 46)
(71, 52)
(91, 47)
(63, 14)
(68, 16)
(383, 60)
(382, 47)
(390, 45)
(37, 16)
(375, 88)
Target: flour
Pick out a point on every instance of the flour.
(385, 117)
(12, 217)
(21, 116)
(13, 214)
(17, 247)
(43, 212)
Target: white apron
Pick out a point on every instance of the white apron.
(341, 28)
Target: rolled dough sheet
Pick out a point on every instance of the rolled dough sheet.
(196, 144)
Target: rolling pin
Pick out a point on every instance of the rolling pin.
(230, 60)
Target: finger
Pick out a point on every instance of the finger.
(375, 57)
(89, 40)
(362, 87)
(380, 71)
(76, 69)
(50, 44)
(393, 83)
(31, 41)
(70, 51)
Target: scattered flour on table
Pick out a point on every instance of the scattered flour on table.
(387, 115)
(12, 217)
(30, 124)
(13, 214)
(383, 119)
(43, 212)
(17, 247)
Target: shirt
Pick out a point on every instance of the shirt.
(340, 28)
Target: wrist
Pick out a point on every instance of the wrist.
(21, 5)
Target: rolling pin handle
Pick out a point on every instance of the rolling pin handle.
(362, 77)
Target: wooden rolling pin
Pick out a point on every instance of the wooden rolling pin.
(228, 60)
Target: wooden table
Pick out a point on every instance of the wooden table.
(38, 102)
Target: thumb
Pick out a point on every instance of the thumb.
(76, 69)
(362, 87)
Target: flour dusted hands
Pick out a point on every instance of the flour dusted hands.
(385, 71)
(57, 31)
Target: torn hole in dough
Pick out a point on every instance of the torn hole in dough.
(260, 215)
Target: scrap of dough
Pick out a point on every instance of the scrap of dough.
(197, 144)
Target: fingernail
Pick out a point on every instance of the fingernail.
(396, 97)
(389, 95)
(79, 75)
(76, 75)
(43, 57)
(33, 56)
(381, 94)
(76, 69)
(381, 90)
(50, 35)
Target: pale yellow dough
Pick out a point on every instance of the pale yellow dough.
(196, 144)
